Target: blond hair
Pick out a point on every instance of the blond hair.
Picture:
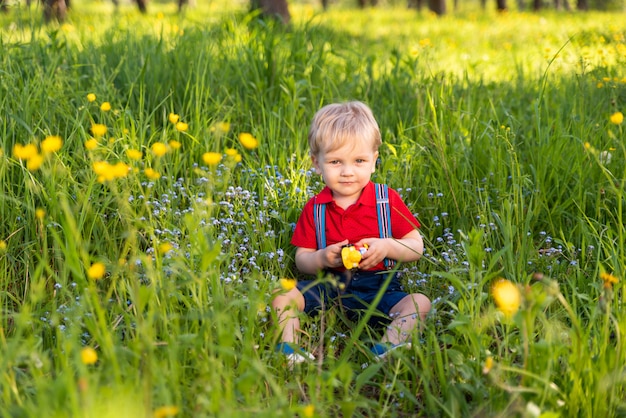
(335, 124)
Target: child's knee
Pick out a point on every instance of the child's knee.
(288, 300)
(422, 302)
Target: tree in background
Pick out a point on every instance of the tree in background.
(274, 8)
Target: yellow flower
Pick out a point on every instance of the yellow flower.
(88, 356)
(308, 411)
(98, 129)
(96, 271)
(223, 127)
(165, 247)
(120, 170)
(488, 365)
(182, 126)
(34, 162)
(233, 153)
(134, 154)
(173, 118)
(91, 97)
(159, 149)
(211, 158)
(507, 296)
(287, 284)
(105, 106)
(52, 143)
(248, 141)
(174, 144)
(108, 172)
(40, 213)
(24, 152)
(91, 144)
(617, 118)
(166, 411)
(152, 174)
(609, 280)
(3, 245)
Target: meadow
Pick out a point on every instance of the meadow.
(152, 169)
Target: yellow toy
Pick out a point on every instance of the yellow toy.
(352, 254)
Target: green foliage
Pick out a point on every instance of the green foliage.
(497, 132)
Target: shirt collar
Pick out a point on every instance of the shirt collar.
(368, 196)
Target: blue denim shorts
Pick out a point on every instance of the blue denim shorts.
(352, 290)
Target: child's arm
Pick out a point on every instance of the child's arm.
(406, 249)
(310, 261)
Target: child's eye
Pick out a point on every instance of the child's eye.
(334, 162)
(360, 161)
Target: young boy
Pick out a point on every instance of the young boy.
(344, 140)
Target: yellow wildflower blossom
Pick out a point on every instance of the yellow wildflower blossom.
(134, 154)
(88, 356)
(159, 149)
(233, 153)
(617, 118)
(34, 162)
(120, 170)
(52, 143)
(223, 127)
(165, 247)
(182, 126)
(248, 141)
(609, 280)
(174, 144)
(105, 106)
(98, 129)
(507, 297)
(308, 411)
(173, 118)
(211, 158)
(152, 174)
(24, 152)
(91, 144)
(287, 284)
(96, 271)
(91, 97)
(108, 172)
(488, 365)
(166, 411)
(3, 245)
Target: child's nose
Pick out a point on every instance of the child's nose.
(346, 170)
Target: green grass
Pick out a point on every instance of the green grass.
(495, 130)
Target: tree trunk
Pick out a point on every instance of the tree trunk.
(3, 6)
(274, 8)
(501, 5)
(143, 6)
(437, 6)
(582, 5)
(54, 9)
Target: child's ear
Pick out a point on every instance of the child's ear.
(376, 161)
(316, 164)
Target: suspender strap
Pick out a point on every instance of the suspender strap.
(319, 217)
(384, 217)
(382, 210)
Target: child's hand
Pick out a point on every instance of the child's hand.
(376, 253)
(332, 255)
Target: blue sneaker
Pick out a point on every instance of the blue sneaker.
(293, 355)
(381, 350)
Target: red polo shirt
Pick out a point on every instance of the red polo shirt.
(355, 223)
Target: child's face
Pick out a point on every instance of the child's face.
(347, 170)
